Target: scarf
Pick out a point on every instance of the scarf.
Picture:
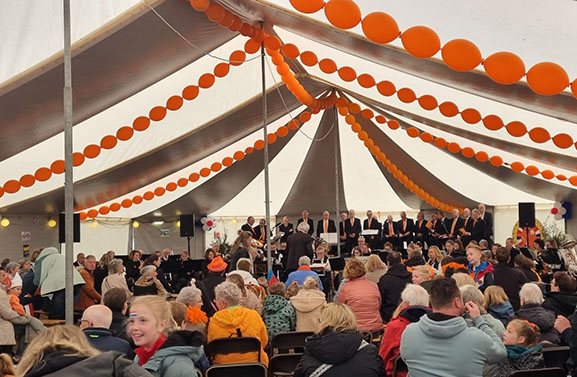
(195, 315)
(145, 354)
(519, 351)
(304, 268)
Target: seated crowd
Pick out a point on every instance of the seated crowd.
(433, 309)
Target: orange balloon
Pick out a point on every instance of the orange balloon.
(227, 20)
(78, 159)
(366, 81)
(104, 210)
(236, 24)
(375, 150)
(561, 177)
(272, 43)
(124, 133)
(381, 119)
(413, 132)
(190, 92)
(563, 141)
(428, 102)
(282, 131)
(174, 103)
(92, 213)
(344, 14)
(283, 69)
(516, 129)
(504, 67)
(367, 113)
(421, 41)
(290, 51)
(92, 151)
(493, 122)
(27, 180)
(517, 166)
(574, 88)
(406, 95)
(309, 58)
(215, 12)
(126, 203)
(356, 127)
(43, 174)
(386, 88)
(532, 170)
(539, 135)
(159, 191)
(238, 155)
(379, 27)
(82, 215)
(573, 180)
(195, 176)
(427, 137)
(171, 186)
(257, 34)
(149, 195)
(454, 147)
(139, 124)
(343, 110)
(363, 135)
(271, 138)
(482, 156)
(496, 161)
(461, 55)
(206, 80)
(468, 152)
(248, 150)
(307, 6)
(108, 142)
(547, 174)
(58, 167)
(182, 182)
(347, 74)
(471, 116)
(227, 161)
(277, 59)
(222, 69)
(200, 5)
(305, 117)
(350, 119)
(328, 65)
(547, 78)
(449, 109)
(251, 46)
(393, 124)
(216, 166)
(354, 108)
(157, 113)
(259, 144)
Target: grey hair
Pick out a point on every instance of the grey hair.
(472, 293)
(147, 270)
(11, 266)
(304, 261)
(189, 296)
(531, 294)
(114, 266)
(228, 292)
(414, 294)
(303, 227)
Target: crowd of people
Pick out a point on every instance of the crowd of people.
(446, 301)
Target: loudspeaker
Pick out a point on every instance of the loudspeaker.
(62, 228)
(526, 215)
(187, 225)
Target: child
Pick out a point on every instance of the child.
(523, 352)
(6, 366)
(497, 304)
(158, 352)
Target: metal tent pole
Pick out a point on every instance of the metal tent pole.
(336, 140)
(266, 178)
(68, 178)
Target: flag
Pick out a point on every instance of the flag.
(271, 278)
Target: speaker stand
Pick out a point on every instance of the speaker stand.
(188, 239)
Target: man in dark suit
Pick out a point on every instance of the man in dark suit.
(455, 224)
(353, 230)
(298, 244)
(343, 233)
(305, 218)
(437, 231)
(326, 225)
(405, 228)
(249, 227)
(390, 232)
(374, 241)
(467, 223)
(261, 232)
(421, 230)
(477, 231)
(488, 219)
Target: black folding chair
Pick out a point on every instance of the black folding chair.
(225, 346)
(367, 336)
(237, 370)
(556, 357)
(283, 364)
(544, 372)
(399, 366)
(284, 342)
(198, 372)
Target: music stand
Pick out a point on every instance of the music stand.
(337, 263)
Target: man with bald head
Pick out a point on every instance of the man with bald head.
(95, 324)
(326, 225)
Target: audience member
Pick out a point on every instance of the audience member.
(216, 270)
(338, 348)
(231, 319)
(299, 245)
(482, 272)
(308, 303)
(116, 299)
(321, 266)
(209, 255)
(440, 339)
(292, 290)
(470, 293)
(6, 366)
(523, 351)
(196, 319)
(414, 304)
(435, 257)
(422, 275)
(392, 284)
(133, 267)
(95, 323)
(148, 284)
(527, 266)
(462, 278)
(509, 278)
(244, 269)
(497, 304)
(115, 278)
(362, 296)
(88, 294)
(375, 268)
(240, 248)
(562, 298)
(531, 310)
(248, 299)
(101, 271)
(278, 314)
(7, 339)
(303, 272)
(178, 312)
(80, 258)
(156, 260)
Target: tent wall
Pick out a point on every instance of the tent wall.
(148, 237)
(11, 237)
(507, 216)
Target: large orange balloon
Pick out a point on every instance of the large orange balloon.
(379, 27)
(496, 161)
(517, 166)
(309, 58)
(539, 135)
(157, 113)
(108, 142)
(140, 124)
(516, 129)
(386, 88)
(237, 57)
(27, 180)
(43, 174)
(190, 92)
(328, 66)
(307, 6)
(92, 151)
(448, 109)
(563, 141)
(482, 156)
(215, 12)
(347, 74)
(366, 81)
(251, 46)
(206, 80)
(504, 67)
(344, 14)
(200, 5)
(124, 133)
(461, 55)
(547, 78)
(428, 102)
(532, 170)
(221, 69)
(406, 95)
(471, 116)
(493, 122)
(174, 103)
(290, 51)
(421, 41)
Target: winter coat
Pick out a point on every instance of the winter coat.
(483, 275)
(502, 312)
(118, 326)
(246, 276)
(178, 356)
(115, 281)
(431, 346)
(347, 352)
(560, 303)
(250, 301)
(103, 340)
(235, 256)
(278, 315)
(415, 261)
(308, 304)
(149, 286)
(375, 276)
(391, 343)
(364, 299)
(106, 364)
(99, 274)
(529, 274)
(88, 294)
(228, 322)
(521, 358)
(511, 280)
(298, 245)
(391, 286)
(497, 326)
(49, 273)
(211, 281)
(6, 315)
(543, 318)
(301, 275)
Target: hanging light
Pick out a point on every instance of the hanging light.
(94, 223)
(135, 224)
(178, 223)
(51, 223)
(4, 222)
(158, 223)
(233, 221)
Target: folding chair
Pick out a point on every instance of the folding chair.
(198, 372)
(556, 357)
(285, 341)
(237, 370)
(225, 346)
(399, 366)
(367, 336)
(283, 364)
(544, 372)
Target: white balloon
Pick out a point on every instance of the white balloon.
(562, 211)
(558, 205)
(558, 216)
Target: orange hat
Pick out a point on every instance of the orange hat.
(217, 265)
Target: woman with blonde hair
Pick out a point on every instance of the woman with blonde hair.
(65, 351)
(6, 367)
(248, 298)
(308, 303)
(435, 257)
(462, 278)
(338, 348)
(241, 248)
(497, 303)
(375, 268)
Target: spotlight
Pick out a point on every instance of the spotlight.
(4, 222)
(51, 223)
(135, 224)
(233, 221)
(178, 223)
(158, 223)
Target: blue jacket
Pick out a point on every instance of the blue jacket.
(103, 340)
(300, 276)
(502, 312)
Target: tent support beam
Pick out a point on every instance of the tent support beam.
(68, 178)
(266, 157)
(338, 204)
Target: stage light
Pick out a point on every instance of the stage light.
(135, 224)
(94, 223)
(233, 221)
(158, 223)
(4, 222)
(178, 223)
(51, 223)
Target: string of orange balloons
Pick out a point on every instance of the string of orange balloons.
(454, 147)
(349, 111)
(125, 133)
(545, 78)
(283, 131)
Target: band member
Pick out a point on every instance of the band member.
(249, 227)
(477, 229)
(261, 232)
(437, 231)
(405, 229)
(352, 229)
(306, 219)
(421, 231)
(467, 223)
(374, 241)
(286, 228)
(456, 223)
(390, 232)
(342, 232)
(326, 225)
(487, 217)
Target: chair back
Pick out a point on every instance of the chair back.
(367, 336)
(237, 370)
(283, 364)
(399, 366)
(225, 346)
(549, 372)
(285, 341)
(556, 357)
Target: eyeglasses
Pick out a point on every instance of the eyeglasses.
(80, 321)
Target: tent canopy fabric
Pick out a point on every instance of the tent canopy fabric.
(133, 56)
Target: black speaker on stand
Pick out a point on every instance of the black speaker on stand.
(62, 228)
(527, 218)
(187, 228)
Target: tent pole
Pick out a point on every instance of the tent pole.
(336, 140)
(266, 178)
(68, 179)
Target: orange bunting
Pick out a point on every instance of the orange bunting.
(157, 113)
(309, 58)
(307, 6)
(461, 55)
(174, 103)
(379, 27)
(547, 78)
(344, 14)
(421, 41)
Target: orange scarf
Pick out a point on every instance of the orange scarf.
(195, 315)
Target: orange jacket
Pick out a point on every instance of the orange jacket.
(16, 305)
(88, 295)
